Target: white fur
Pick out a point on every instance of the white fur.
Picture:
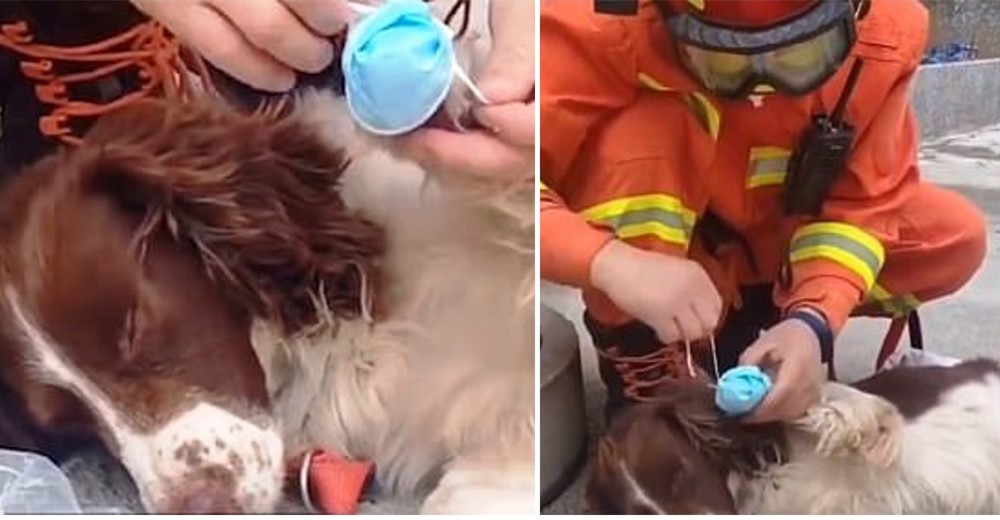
(854, 454)
(153, 457)
(638, 494)
(443, 383)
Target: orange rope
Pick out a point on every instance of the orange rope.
(146, 46)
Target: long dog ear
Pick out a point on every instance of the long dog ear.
(256, 195)
(728, 441)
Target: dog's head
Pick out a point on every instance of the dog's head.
(133, 266)
(673, 456)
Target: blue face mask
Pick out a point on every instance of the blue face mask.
(741, 389)
(398, 65)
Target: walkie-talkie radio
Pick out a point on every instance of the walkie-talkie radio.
(821, 155)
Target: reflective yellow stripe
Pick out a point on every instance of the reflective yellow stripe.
(708, 114)
(768, 166)
(662, 216)
(703, 108)
(647, 81)
(542, 186)
(894, 305)
(697, 4)
(844, 244)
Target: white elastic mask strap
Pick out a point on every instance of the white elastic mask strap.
(360, 8)
(464, 78)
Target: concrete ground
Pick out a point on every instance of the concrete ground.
(961, 326)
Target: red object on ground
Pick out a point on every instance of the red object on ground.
(330, 483)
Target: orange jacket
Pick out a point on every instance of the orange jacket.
(593, 66)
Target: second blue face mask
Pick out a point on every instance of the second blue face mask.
(398, 64)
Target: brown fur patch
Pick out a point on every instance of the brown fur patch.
(679, 449)
(915, 390)
(256, 195)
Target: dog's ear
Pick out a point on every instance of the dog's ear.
(255, 194)
(689, 408)
(727, 441)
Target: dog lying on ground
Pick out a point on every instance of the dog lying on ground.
(438, 388)
(391, 311)
(910, 440)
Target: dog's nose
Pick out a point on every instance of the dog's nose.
(205, 497)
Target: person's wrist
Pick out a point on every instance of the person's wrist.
(603, 264)
(817, 323)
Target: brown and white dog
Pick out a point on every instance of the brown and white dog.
(438, 388)
(213, 293)
(391, 310)
(910, 440)
(132, 269)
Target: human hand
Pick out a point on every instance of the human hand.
(791, 351)
(261, 42)
(505, 146)
(674, 296)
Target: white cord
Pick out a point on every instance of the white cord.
(464, 78)
(366, 295)
(690, 359)
(715, 356)
(361, 8)
(304, 483)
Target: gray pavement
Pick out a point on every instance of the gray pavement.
(964, 325)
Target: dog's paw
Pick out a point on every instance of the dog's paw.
(851, 422)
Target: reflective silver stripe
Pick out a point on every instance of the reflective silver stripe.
(843, 243)
(768, 166)
(659, 215)
(642, 216)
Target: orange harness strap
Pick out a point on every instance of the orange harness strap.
(890, 344)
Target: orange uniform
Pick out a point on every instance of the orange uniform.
(632, 148)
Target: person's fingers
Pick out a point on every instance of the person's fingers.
(475, 153)
(326, 17)
(689, 325)
(223, 45)
(509, 72)
(714, 297)
(513, 123)
(669, 332)
(503, 80)
(760, 353)
(708, 315)
(271, 27)
(781, 399)
(770, 409)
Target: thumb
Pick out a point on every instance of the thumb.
(509, 72)
(757, 354)
(512, 122)
(499, 83)
(508, 75)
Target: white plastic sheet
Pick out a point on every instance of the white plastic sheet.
(33, 484)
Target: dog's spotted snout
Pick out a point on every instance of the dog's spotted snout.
(211, 491)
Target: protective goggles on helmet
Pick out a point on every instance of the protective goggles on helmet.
(793, 57)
